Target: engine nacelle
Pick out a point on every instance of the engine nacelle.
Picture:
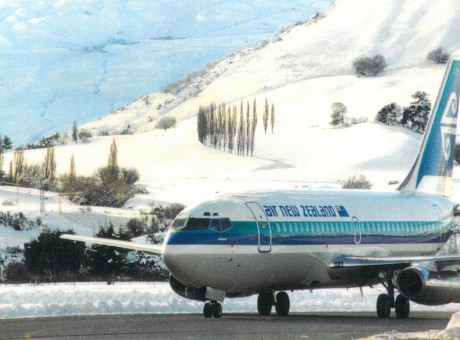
(428, 288)
(180, 289)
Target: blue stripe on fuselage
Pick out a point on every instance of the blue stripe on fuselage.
(338, 233)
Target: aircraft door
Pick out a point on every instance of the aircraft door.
(263, 227)
(439, 216)
(357, 230)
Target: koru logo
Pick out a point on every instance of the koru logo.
(449, 125)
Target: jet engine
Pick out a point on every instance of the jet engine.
(427, 287)
(179, 288)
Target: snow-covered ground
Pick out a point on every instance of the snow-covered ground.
(29, 300)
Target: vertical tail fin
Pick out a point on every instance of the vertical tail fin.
(432, 170)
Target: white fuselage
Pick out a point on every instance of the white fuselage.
(287, 240)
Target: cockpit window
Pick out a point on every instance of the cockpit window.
(179, 223)
(198, 223)
(220, 224)
(215, 224)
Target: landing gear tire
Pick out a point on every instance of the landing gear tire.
(265, 303)
(212, 309)
(217, 310)
(282, 304)
(207, 310)
(402, 307)
(384, 306)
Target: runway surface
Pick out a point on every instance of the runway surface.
(231, 326)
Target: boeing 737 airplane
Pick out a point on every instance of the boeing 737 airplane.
(270, 242)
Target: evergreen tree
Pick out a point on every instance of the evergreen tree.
(75, 132)
(50, 257)
(7, 143)
(417, 114)
(107, 262)
(390, 114)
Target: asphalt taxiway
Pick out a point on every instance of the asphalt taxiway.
(230, 326)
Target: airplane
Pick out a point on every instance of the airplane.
(270, 242)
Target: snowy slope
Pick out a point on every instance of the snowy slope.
(77, 60)
(312, 62)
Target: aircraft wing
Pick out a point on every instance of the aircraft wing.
(148, 248)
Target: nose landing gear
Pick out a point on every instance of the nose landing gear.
(212, 309)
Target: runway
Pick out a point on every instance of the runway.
(231, 326)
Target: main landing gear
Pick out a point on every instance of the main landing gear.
(267, 299)
(385, 302)
(212, 309)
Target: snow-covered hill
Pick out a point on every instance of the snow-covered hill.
(302, 70)
(65, 61)
(307, 66)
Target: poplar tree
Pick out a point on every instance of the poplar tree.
(272, 117)
(49, 165)
(18, 169)
(72, 172)
(248, 128)
(254, 126)
(1, 164)
(265, 116)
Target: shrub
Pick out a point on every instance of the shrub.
(369, 66)
(136, 226)
(166, 123)
(357, 182)
(84, 136)
(338, 114)
(438, 56)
